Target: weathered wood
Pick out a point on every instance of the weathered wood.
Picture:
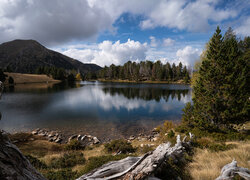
(1, 89)
(229, 171)
(140, 167)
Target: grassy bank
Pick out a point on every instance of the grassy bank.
(147, 81)
(20, 78)
(58, 161)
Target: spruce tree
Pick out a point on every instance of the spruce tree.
(207, 101)
(220, 91)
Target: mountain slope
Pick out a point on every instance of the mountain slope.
(25, 56)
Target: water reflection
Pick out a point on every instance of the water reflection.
(147, 93)
(94, 108)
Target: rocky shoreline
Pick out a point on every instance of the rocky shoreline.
(86, 140)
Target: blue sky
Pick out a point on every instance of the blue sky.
(115, 31)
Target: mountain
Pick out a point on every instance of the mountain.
(25, 56)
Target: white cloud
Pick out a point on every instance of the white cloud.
(192, 15)
(244, 28)
(153, 42)
(59, 21)
(107, 53)
(188, 55)
(168, 42)
(51, 22)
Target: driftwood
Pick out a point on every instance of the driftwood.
(230, 170)
(140, 167)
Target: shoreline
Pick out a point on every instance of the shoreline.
(21, 78)
(142, 82)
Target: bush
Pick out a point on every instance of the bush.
(171, 134)
(68, 160)
(61, 175)
(74, 145)
(95, 162)
(38, 164)
(119, 145)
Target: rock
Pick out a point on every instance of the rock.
(96, 141)
(58, 140)
(83, 137)
(155, 139)
(72, 137)
(34, 132)
(142, 145)
(42, 134)
(79, 137)
(131, 138)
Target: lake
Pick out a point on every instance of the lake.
(105, 110)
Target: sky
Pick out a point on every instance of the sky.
(108, 32)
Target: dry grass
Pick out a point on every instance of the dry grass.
(20, 78)
(96, 151)
(40, 148)
(49, 157)
(207, 165)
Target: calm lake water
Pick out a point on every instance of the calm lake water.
(105, 110)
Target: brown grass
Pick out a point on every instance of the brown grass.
(207, 165)
(20, 78)
(40, 148)
(96, 151)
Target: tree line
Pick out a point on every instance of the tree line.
(59, 73)
(221, 85)
(145, 70)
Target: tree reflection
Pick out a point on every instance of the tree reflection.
(147, 93)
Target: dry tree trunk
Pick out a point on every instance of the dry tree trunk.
(229, 171)
(140, 167)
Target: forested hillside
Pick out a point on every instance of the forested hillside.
(146, 70)
(26, 56)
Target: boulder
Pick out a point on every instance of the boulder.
(72, 137)
(96, 141)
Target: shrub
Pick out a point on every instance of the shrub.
(68, 160)
(119, 145)
(38, 164)
(172, 169)
(61, 175)
(74, 145)
(171, 134)
(95, 162)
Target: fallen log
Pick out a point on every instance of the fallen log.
(141, 167)
(229, 171)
